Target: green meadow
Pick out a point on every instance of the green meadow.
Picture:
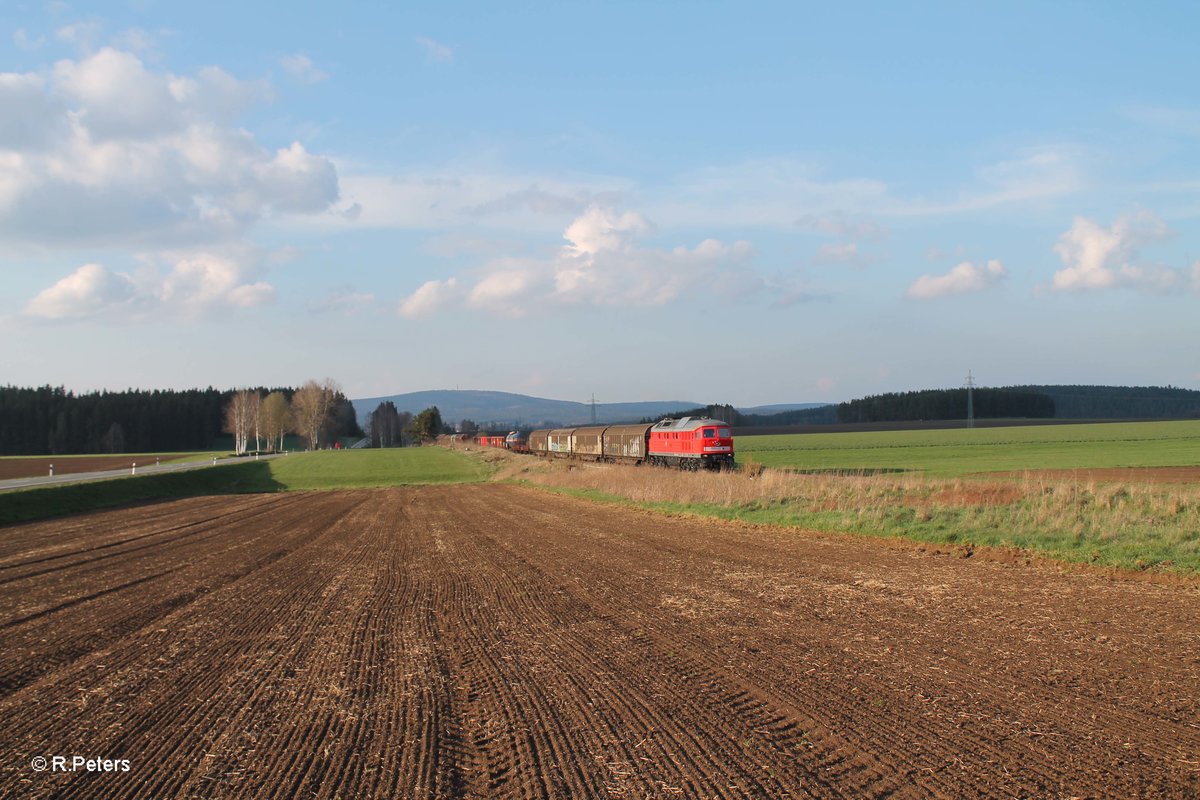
(318, 471)
(359, 469)
(964, 451)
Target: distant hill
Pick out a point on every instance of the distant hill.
(779, 408)
(507, 410)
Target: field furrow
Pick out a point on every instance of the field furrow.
(493, 641)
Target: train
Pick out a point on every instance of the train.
(691, 443)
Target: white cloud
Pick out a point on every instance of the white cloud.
(302, 69)
(962, 279)
(89, 290)
(436, 50)
(104, 150)
(471, 196)
(31, 119)
(1096, 257)
(189, 284)
(600, 229)
(427, 299)
(602, 264)
(505, 292)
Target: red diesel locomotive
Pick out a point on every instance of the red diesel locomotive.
(689, 443)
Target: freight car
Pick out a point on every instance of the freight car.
(489, 440)
(688, 443)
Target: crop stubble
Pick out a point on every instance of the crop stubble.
(495, 641)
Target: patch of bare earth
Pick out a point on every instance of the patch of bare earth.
(36, 466)
(496, 641)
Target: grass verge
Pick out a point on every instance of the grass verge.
(320, 471)
(1126, 526)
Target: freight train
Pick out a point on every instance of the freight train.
(689, 443)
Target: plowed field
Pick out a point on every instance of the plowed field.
(492, 641)
(36, 466)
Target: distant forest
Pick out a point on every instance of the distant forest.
(1013, 402)
(50, 420)
(947, 404)
(1121, 402)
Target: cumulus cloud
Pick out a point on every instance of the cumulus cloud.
(431, 296)
(963, 279)
(1097, 257)
(87, 291)
(599, 229)
(302, 69)
(601, 264)
(105, 150)
(188, 284)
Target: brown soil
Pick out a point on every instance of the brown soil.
(36, 466)
(495, 641)
(1123, 474)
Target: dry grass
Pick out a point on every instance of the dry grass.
(1120, 524)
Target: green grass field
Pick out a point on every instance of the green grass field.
(325, 470)
(961, 452)
(357, 469)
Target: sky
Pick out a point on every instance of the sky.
(748, 203)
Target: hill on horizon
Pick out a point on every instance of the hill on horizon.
(507, 409)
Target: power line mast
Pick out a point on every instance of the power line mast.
(970, 384)
(593, 408)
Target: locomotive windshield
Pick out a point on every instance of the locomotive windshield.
(710, 433)
(724, 433)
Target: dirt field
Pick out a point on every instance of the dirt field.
(36, 466)
(492, 641)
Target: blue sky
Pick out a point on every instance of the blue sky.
(717, 202)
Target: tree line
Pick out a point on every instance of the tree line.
(319, 413)
(50, 420)
(946, 404)
(389, 427)
(1121, 402)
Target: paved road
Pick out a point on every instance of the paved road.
(148, 469)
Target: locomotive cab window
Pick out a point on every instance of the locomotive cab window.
(724, 433)
(710, 433)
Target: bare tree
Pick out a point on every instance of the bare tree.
(311, 406)
(276, 419)
(254, 401)
(241, 417)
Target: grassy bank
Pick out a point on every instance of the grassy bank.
(949, 453)
(1145, 526)
(325, 470)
